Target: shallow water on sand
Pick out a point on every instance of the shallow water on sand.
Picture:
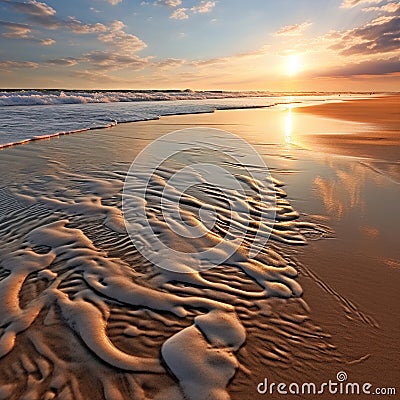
(86, 315)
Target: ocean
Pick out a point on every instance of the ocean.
(27, 115)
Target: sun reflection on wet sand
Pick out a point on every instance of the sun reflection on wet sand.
(288, 125)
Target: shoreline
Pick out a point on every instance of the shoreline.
(379, 141)
(355, 110)
(115, 123)
(296, 105)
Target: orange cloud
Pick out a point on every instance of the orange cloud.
(293, 30)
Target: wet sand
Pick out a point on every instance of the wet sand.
(381, 138)
(87, 316)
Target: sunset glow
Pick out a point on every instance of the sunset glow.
(201, 45)
(293, 65)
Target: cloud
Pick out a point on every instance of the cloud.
(47, 42)
(95, 77)
(376, 67)
(63, 62)
(293, 30)
(262, 51)
(79, 27)
(14, 30)
(169, 63)
(44, 15)
(10, 64)
(354, 3)
(203, 7)
(116, 36)
(41, 13)
(112, 34)
(105, 61)
(209, 62)
(179, 13)
(31, 7)
(111, 61)
(21, 31)
(381, 35)
(114, 2)
(168, 3)
(389, 8)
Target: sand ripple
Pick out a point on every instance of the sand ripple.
(79, 299)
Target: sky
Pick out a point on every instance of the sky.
(275, 45)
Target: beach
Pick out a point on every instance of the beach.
(87, 315)
(379, 140)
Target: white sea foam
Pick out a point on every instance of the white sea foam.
(53, 97)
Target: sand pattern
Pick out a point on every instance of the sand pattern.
(85, 314)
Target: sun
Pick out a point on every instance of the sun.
(293, 64)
